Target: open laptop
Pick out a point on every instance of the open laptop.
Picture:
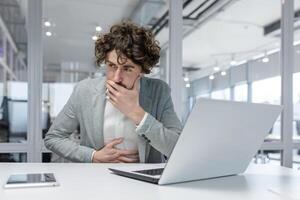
(219, 139)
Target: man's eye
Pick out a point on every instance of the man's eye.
(128, 69)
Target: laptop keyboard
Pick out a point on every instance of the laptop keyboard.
(151, 172)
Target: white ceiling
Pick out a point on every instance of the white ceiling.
(236, 30)
(75, 22)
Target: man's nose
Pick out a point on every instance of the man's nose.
(118, 76)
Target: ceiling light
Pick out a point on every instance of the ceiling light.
(186, 79)
(94, 37)
(211, 77)
(187, 85)
(98, 28)
(223, 73)
(47, 23)
(216, 69)
(48, 33)
(296, 42)
(265, 60)
(233, 63)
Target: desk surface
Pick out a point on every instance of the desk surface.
(94, 181)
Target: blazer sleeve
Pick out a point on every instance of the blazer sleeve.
(58, 137)
(162, 134)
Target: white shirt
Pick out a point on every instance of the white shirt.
(116, 125)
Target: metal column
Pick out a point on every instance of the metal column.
(35, 74)
(287, 65)
(175, 56)
(249, 84)
(231, 86)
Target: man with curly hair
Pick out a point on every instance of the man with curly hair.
(124, 117)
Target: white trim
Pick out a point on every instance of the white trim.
(13, 147)
(296, 145)
(276, 145)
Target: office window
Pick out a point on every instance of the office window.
(13, 86)
(14, 104)
(221, 94)
(13, 157)
(296, 101)
(268, 91)
(296, 159)
(59, 94)
(205, 95)
(15, 111)
(241, 92)
(272, 157)
(228, 40)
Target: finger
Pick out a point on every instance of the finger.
(127, 160)
(115, 142)
(115, 86)
(113, 157)
(111, 89)
(127, 152)
(112, 102)
(111, 97)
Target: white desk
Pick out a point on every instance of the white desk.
(94, 181)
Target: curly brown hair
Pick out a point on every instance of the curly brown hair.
(135, 42)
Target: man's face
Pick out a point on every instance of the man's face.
(124, 74)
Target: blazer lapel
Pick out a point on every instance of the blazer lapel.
(145, 103)
(98, 101)
(145, 100)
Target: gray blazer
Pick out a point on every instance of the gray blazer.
(85, 109)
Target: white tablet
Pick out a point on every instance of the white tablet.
(31, 180)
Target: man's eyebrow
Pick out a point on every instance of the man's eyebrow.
(110, 62)
(125, 65)
(129, 66)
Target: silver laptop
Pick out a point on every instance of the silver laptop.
(219, 139)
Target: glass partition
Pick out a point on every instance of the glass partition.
(13, 86)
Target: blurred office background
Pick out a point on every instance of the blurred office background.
(230, 51)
